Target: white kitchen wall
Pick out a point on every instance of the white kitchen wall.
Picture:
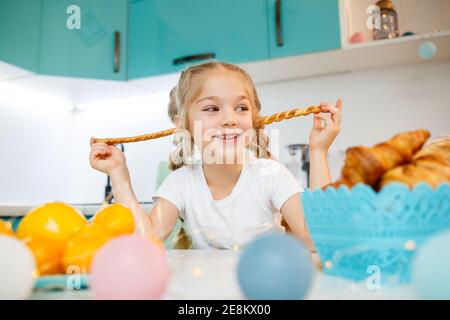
(45, 148)
(376, 104)
(44, 145)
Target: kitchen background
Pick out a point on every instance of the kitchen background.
(47, 118)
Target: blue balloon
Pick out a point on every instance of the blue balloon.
(275, 266)
(427, 50)
(430, 274)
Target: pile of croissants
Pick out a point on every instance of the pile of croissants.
(403, 158)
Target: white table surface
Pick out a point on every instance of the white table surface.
(88, 209)
(211, 274)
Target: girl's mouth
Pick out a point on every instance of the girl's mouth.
(227, 138)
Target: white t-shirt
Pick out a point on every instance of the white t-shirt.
(249, 210)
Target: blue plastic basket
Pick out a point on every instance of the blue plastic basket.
(358, 232)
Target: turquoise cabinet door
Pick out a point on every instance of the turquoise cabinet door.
(19, 32)
(98, 49)
(302, 26)
(168, 35)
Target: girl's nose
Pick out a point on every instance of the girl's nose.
(229, 118)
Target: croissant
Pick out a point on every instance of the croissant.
(368, 164)
(430, 165)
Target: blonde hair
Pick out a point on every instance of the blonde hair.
(187, 90)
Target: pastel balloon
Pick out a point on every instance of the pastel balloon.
(427, 50)
(275, 266)
(430, 274)
(129, 267)
(16, 269)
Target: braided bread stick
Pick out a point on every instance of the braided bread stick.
(277, 117)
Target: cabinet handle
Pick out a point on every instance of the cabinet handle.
(279, 32)
(194, 57)
(116, 52)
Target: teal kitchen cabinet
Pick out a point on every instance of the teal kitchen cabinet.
(302, 26)
(129, 39)
(94, 48)
(20, 32)
(167, 35)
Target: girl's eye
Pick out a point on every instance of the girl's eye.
(211, 108)
(242, 107)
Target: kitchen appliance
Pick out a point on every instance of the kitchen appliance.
(299, 163)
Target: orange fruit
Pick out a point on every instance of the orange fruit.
(47, 254)
(82, 246)
(6, 228)
(54, 220)
(116, 218)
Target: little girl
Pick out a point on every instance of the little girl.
(225, 185)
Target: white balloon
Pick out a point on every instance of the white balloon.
(16, 269)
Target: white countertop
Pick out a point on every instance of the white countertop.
(88, 209)
(211, 274)
(14, 210)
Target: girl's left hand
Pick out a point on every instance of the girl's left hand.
(326, 126)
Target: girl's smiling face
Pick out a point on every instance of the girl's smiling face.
(221, 114)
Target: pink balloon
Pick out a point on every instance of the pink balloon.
(357, 37)
(129, 267)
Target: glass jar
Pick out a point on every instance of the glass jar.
(388, 21)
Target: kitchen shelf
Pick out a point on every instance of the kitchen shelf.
(394, 52)
(417, 16)
(351, 58)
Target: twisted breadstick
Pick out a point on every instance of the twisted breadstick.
(277, 117)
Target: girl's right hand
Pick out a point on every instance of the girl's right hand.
(106, 158)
